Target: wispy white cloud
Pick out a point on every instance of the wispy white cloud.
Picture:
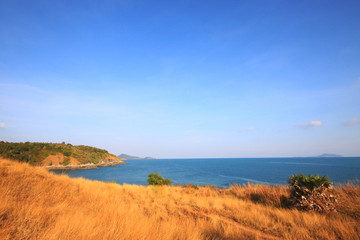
(2, 125)
(352, 122)
(310, 124)
(251, 129)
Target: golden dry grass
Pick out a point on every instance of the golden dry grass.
(35, 204)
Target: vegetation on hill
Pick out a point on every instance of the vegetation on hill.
(310, 182)
(36, 153)
(36, 204)
(312, 193)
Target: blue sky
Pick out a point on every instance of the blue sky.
(174, 79)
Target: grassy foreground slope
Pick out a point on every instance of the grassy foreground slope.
(46, 154)
(36, 204)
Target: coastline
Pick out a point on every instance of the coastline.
(85, 166)
(62, 206)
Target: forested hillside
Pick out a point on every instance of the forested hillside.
(40, 154)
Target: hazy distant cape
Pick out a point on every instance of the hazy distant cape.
(328, 155)
(126, 157)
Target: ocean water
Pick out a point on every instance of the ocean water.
(224, 171)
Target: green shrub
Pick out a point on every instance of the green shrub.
(167, 181)
(67, 153)
(311, 182)
(157, 179)
(189, 185)
(66, 161)
(210, 186)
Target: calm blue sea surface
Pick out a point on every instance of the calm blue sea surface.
(224, 171)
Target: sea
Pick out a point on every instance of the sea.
(222, 172)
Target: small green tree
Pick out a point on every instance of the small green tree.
(311, 193)
(67, 153)
(157, 179)
(66, 161)
(311, 182)
(167, 181)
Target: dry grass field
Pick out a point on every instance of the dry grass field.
(35, 204)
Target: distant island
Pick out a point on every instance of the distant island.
(128, 157)
(328, 155)
(58, 156)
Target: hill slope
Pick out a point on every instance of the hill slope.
(36, 204)
(50, 154)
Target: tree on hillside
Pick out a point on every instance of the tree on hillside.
(312, 193)
(310, 182)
